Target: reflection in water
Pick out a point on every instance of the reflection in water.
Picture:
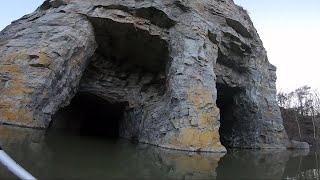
(59, 156)
(303, 167)
(263, 164)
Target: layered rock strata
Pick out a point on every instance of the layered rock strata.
(188, 75)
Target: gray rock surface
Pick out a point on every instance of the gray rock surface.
(189, 73)
(299, 145)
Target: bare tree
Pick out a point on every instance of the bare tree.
(302, 94)
(282, 99)
(309, 108)
(304, 103)
(313, 123)
(316, 96)
(295, 110)
(314, 108)
(290, 100)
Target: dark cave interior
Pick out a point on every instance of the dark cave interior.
(89, 115)
(225, 103)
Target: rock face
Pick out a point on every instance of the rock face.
(186, 75)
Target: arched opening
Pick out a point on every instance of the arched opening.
(225, 103)
(89, 115)
(126, 72)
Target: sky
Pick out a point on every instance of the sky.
(289, 29)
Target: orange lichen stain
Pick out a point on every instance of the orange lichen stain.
(195, 99)
(199, 97)
(16, 56)
(44, 59)
(192, 137)
(25, 115)
(6, 104)
(19, 114)
(206, 119)
(188, 137)
(208, 138)
(12, 68)
(26, 98)
(15, 88)
(8, 114)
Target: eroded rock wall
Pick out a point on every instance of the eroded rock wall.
(43, 56)
(164, 59)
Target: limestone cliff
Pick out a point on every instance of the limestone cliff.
(187, 74)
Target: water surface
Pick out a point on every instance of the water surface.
(62, 156)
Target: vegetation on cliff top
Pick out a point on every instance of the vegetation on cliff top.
(300, 110)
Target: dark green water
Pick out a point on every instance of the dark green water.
(73, 157)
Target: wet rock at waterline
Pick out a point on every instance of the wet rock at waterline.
(185, 75)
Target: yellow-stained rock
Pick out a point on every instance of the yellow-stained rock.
(199, 97)
(15, 88)
(21, 114)
(195, 138)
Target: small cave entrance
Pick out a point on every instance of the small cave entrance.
(226, 104)
(89, 115)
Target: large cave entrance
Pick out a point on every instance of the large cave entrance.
(126, 72)
(89, 115)
(226, 104)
